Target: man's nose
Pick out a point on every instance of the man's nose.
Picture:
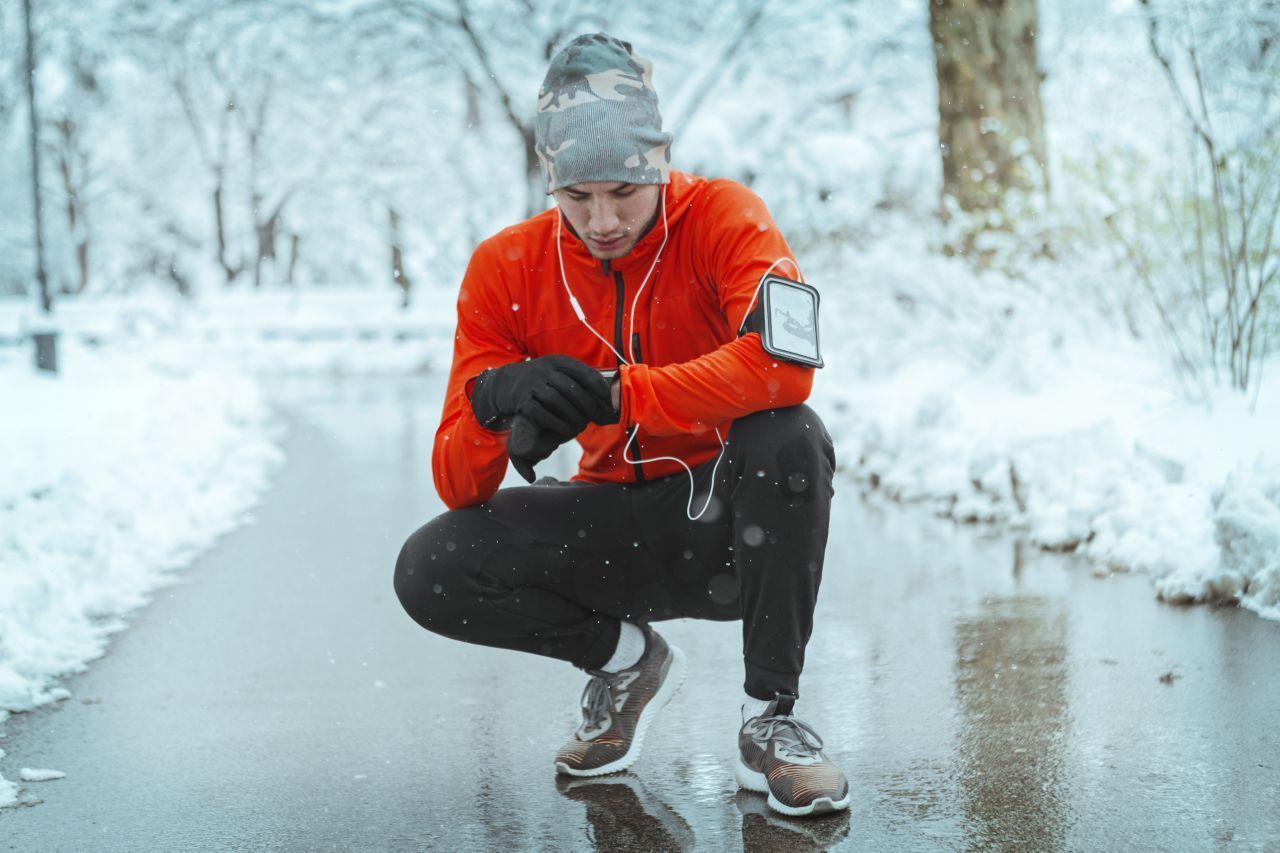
(604, 218)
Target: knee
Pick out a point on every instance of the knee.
(429, 574)
(798, 427)
(791, 446)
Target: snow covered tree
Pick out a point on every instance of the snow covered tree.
(501, 50)
(72, 115)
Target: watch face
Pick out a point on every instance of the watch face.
(791, 321)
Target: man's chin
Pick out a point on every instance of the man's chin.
(612, 253)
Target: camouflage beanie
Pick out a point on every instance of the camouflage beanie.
(598, 117)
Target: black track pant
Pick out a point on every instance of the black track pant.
(552, 569)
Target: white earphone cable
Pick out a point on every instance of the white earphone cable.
(573, 300)
(630, 346)
(631, 328)
(688, 511)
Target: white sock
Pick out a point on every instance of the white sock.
(630, 649)
(753, 707)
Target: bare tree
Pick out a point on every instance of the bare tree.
(266, 218)
(502, 51)
(1228, 222)
(212, 142)
(72, 118)
(246, 82)
(72, 160)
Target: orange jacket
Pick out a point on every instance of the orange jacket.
(692, 372)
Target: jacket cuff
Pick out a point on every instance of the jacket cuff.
(625, 389)
(496, 424)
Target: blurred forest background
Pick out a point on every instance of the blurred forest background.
(192, 146)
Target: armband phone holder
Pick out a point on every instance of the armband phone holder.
(786, 318)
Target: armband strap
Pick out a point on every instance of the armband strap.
(754, 321)
(786, 318)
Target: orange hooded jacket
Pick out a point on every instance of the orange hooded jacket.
(691, 374)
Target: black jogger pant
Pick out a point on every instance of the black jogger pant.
(552, 569)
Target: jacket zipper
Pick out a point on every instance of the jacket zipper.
(620, 302)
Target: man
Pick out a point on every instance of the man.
(704, 486)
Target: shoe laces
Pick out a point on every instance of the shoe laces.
(597, 703)
(794, 738)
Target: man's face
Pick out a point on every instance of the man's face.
(609, 216)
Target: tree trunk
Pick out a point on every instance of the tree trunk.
(294, 242)
(398, 274)
(990, 122)
(82, 264)
(77, 223)
(472, 94)
(46, 301)
(266, 232)
(536, 200)
(219, 218)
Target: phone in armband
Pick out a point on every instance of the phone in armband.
(787, 320)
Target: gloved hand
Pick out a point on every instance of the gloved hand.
(555, 392)
(527, 445)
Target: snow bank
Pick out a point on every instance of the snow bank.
(331, 331)
(117, 470)
(1019, 403)
(8, 790)
(1246, 529)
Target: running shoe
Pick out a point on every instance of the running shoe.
(617, 709)
(781, 756)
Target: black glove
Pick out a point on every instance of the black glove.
(527, 445)
(555, 392)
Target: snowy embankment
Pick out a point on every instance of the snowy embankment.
(335, 331)
(1023, 405)
(115, 472)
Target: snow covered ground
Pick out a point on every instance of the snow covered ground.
(338, 332)
(1020, 404)
(112, 475)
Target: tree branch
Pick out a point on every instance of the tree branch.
(717, 69)
(482, 55)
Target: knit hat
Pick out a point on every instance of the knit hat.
(598, 117)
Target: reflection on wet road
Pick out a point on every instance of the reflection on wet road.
(979, 696)
(1011, 683)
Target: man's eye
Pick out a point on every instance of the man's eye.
(623, 193)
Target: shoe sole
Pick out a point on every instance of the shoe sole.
(670, 684)
(753, 781)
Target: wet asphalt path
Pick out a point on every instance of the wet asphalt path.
(979, 696)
